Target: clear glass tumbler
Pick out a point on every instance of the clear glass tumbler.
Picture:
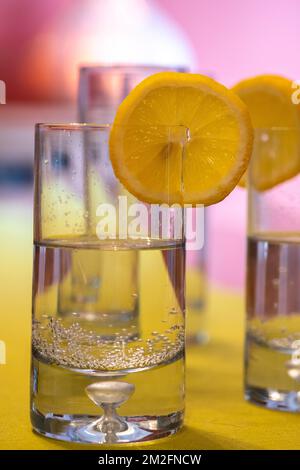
(108, 294)
(103, 87)
(272, 350)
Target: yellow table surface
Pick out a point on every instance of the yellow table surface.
(217, 417)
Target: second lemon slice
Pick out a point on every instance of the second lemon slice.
(277, 120)
(147, 138)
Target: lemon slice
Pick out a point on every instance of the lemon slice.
(269, 100)
(146, 151)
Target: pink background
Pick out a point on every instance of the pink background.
(240, 38)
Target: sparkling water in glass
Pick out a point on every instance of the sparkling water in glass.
(108, 303)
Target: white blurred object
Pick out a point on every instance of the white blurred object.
(108, 32)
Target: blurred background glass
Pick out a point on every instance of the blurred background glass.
(101, 89)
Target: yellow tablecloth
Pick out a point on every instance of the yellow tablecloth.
(217, 417)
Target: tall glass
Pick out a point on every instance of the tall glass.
(101, 89)
(108, 295)
(272, 352)
(196, 283)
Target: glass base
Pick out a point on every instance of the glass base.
(273, 399)
(84, 429)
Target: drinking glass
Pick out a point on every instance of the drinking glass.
(101, 90)
(272, 350)
(103, 87)
(108, 293)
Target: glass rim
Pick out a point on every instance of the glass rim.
(109, 125)
(77, 126)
